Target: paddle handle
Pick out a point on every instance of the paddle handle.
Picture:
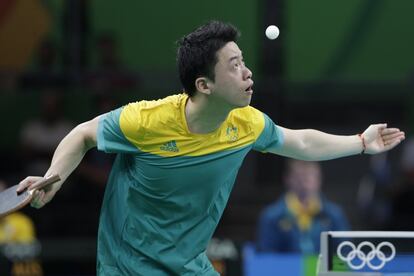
(44, 182)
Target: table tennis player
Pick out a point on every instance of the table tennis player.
(178, 157)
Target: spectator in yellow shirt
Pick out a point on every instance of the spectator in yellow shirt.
(18, 245)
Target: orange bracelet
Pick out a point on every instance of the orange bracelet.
(364, 146)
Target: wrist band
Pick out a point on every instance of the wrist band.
(364, 147)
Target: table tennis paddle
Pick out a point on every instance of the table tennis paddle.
(11, 200)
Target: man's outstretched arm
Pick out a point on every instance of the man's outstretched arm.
(66, 158)
(310, 144)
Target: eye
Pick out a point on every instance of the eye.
(236, 65)
(239, 64)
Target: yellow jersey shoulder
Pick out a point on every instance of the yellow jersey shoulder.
(139, 117)
(249, 118)
(159, 127)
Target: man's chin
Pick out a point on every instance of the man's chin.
(245, 103)
(241, 103)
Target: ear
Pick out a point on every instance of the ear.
(202, 85)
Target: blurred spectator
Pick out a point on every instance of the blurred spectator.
(402, 206)
(19, 248)
(294, 223)
(110, 75)
(45, 72)
(39, 137)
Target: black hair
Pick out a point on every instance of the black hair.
(197, 52)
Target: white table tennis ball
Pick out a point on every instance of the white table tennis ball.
(272, 32)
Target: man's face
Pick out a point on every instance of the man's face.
(233, 80)
(304, 178)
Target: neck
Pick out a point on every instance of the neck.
(302, 198)
(306, 199)
(204, 115)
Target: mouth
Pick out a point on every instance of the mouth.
(249, 89)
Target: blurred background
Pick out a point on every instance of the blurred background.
(336, 67)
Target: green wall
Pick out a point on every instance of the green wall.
(147, 30)
(349, 40)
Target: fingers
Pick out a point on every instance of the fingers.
(27, 182)
(387, 131)
(380, 138)
(38, 200)
(391, 136)
(373, 130)
(393, 139)
(381, 126)
(392, 144)
(396, 135)
(388, 135)
(39, 197)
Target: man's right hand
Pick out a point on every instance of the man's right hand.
(40, 197)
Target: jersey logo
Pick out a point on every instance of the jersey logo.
(232, 133)
(170, 146)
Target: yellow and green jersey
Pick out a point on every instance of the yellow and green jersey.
(168, 187)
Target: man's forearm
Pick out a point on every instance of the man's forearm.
(314, 145)
(322, 146)
(66, 158)
(70, 152)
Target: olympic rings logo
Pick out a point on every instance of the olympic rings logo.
(365, 258)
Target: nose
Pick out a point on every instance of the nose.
(247, 73)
